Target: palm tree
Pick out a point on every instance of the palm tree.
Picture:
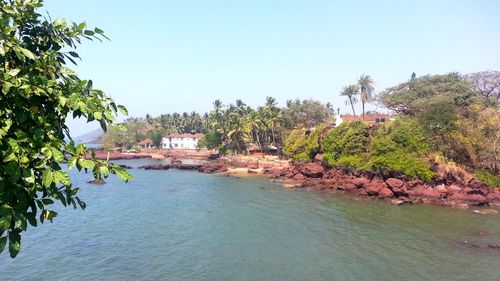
(365, 83)
(350, 92)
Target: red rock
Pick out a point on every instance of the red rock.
(493, 197)
(394, 183)
(328, 182)
(453, 189)
(312, 170)
(397, 202)
(299, 177)
(475, 184)
(471, 198)
(415, 183)
(361, 182)
(425, 192)
(332, 174)
(386, 193)
(374, 187)
(441, 188)
(345, 184)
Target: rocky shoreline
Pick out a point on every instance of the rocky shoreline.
(397, 191)
(314, 176)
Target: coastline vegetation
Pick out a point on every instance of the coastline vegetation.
(448, 122)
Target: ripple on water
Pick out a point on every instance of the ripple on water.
(181, 225)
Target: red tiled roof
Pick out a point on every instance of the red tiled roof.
(196, 136)
(372, 117)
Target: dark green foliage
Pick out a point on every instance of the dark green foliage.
(411, 97)
(37, 93)
(302, 146)
(348, 139)
(395, 148)
(211, 140)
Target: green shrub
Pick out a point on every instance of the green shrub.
(301, 147)
(348, 139)
(401, 162)
(490, 178)
(404, 133)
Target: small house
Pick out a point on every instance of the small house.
(147, 143)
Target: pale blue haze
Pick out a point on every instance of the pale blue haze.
(168, 56)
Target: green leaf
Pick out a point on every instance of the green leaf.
(123, 174)
(57, 154)
(123, 110)
(2, 50)
(14, 72)
(4, 222)
(3, 242)
(27, 53)
(14, 243)
(31, 218)
(47, 178)
(97, 115)
(72, 162)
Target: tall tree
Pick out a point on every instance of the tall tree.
(351, 92)
(366, 90)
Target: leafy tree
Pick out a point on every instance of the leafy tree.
(38, 93)
(350, 92)
(306, 113)
(410, 97)
(366, 90)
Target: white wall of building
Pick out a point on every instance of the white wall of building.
(180, 143)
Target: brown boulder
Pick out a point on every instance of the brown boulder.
(374, 187)
(397, 202)
(361, 182)
(386, 193)
(475, 199)
(328, 182)
(332, 174)
(346, 185)
(212, 168)
(426, 192)
(394, 183)
(475, 184)
(312, 170)
(299, 177)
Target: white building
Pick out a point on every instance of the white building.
(181, 141)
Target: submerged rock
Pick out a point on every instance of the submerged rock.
(397, 202)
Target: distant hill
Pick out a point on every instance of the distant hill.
(91, 137)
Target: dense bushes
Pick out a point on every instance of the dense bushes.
(392, 148)
(346, 142)
(303, 145)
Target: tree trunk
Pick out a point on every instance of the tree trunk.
(352, 106)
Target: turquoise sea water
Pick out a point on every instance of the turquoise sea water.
(183, 225)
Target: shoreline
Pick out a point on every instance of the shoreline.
(315, 177)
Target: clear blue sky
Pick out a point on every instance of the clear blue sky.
(167, 56)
